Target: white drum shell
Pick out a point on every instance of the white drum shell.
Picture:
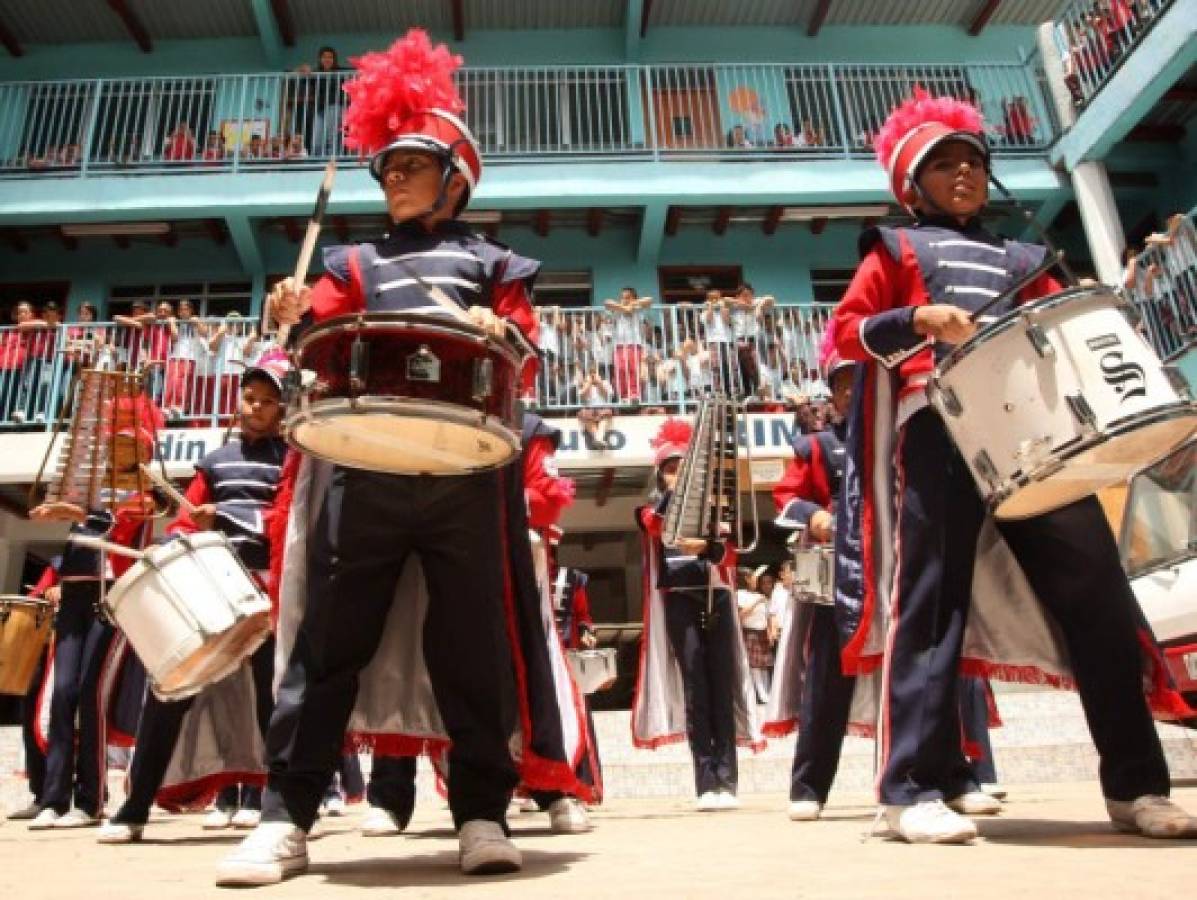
(184, 593)
(1015, 426)
(814, 574)
(593, 670)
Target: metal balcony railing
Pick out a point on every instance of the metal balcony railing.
(1162, 283)
(254, 122)
(1094, 39)
(662, 357)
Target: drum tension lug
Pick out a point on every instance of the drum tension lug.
(359, 365)
(951, 403)
(484, 379)
(1039, 340)
(1082, 412)
(1179, 383)
(983, 463)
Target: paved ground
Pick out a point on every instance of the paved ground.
(1052, 841)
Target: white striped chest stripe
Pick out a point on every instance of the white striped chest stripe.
(246, 482)
(429, 279)
(969, 289)
(960, 242)
(243, 465)
(975, 267)
(428, 254)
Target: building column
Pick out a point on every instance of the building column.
(1099, 215)
(1053, 70)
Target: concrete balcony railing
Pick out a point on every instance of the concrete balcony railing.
(1162, 283)
(253, 122)
(660, 357)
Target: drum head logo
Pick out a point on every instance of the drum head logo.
(423, 365)
(1126, 378)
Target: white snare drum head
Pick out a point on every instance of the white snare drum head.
(402, 438)
(1058, 402)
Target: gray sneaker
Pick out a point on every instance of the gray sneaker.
(271, 852)
(1152, 816)
(486, 850)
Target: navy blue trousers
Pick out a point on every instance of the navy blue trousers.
(76, 757)
(1071, 561)
(35, 759)
(704, 650)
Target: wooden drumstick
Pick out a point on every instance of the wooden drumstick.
(169, 489)
(306, 249)
(100, 544)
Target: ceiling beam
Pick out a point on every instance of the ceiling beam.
(216, 231)
(722, 219)
(341, 227)
(9, 40)
(268, 32)
(633, 10)
(541, 223)
(245, 242)
(68, 242)
(291, 227)
(772, 218)
(818, 226)
(673, 219)
(817, 17)
(170, 238)
(1134, 180)
(121, 240)
(1180, 95)
(133, 25)
(606, 481)
(984, 14)
(1157, 134)
(868, 222)
(652, 233)
(16, 240)
(284, 20)
(594, 221)
(645, 14)
(458, 10)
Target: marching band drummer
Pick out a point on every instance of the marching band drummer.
(232, 493)
(83, 658)
(908, 304)
(403, 110)
(806, 497)
(693, 681)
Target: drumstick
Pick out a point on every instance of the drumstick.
(169, 489)
(308, 247)
(100, 544)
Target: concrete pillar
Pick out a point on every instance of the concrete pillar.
(1053, 70)
(1099, 214)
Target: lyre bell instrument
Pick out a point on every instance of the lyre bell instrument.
(109, 439)
(711, 491)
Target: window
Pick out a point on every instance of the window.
(567, 289)
(211, 299)
(689, 284)
(828, 285)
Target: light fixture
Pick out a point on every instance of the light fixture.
(115, 229)
(807, 213)
(482, 216)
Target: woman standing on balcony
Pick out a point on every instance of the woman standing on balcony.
(629, 342)
(188, 333)
(318, 103)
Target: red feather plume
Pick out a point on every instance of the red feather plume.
(918, 110)
(672, 431)
(391, 85)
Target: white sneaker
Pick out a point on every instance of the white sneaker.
(975, 803)
(246, 818)
(805, 810)
(380, 822)
(76, 818)
(929, 822)
(119, 833)
(568, 816)
(25, 812)
(1151, 816)
(217, 819)
(994, 790)
(708, 802)
(528, 805)
(44, 819)
(271, 852)
(334, 806)
(726, 800)
(486, 850)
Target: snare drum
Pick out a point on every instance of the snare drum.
(1058, 399)
(594, 670)
(25, 625)
(814, 575)
(192, 612)
(407, 394)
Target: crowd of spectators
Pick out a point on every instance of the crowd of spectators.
(629, 356)
(192, 365)
(1096, 36)
(1160, 277)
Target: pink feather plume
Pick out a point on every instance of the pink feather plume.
(393, 84)
(918, 110)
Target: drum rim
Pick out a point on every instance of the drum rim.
(517, 351)
(456, 414)
(1007, 320)
(22, 600)
(1073, 448)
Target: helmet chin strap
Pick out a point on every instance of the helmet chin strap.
(447, 171)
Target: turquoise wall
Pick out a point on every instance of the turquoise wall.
(872, 44)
